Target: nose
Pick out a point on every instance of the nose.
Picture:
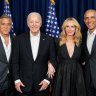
(34, 23)
(89, 20)
(5, 26)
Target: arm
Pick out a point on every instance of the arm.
(52, 54)
(15, 60)
(15, 66)
(51, 65)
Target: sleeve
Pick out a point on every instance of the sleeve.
(15, 60)
(52, 53)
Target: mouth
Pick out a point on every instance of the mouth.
(90, 24)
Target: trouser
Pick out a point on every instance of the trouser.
(34, 92)
(7, 88)
(91, 89)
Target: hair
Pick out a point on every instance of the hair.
(5, 16)
(90, 10)
(77, 35)
(34, 13)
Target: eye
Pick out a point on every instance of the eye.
(73, 26)
(67, 26)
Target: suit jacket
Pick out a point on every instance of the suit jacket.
(90, 61)
(4, 64)
(24, 67)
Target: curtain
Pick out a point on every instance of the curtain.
(64, 8)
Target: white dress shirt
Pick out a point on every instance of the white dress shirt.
(90, 40)
(7, 48)
(35, 40)
(35, 44)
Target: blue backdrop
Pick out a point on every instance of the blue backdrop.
(64, 8)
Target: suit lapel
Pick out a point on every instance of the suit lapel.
(86, 49)
(41, 44)
(93, 46)
(28, 46)
(2, 51)
(11, 40)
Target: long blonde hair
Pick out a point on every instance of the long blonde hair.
(77, 35)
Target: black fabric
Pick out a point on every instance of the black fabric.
(31, 72)
(7, 87)
(33, 93)
(69, 78)
(5, 84)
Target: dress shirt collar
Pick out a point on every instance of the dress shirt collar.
(38, 35)
(94, 32)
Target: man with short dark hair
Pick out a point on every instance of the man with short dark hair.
(90, 52)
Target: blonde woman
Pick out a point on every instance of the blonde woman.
(69, 77)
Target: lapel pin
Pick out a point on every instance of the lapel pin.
(43, 39)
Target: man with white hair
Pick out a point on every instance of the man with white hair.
(32, 51)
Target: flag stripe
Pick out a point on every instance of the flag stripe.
(52, 28)
(8, 12)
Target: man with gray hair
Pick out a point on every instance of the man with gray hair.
(32, 51)
(6, 46)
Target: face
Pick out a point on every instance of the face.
(34, 24)
(70, 28)
(90, 20)
(5, 26)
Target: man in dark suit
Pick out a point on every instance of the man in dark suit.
(6, 44)
(31, 53)
(90, 52)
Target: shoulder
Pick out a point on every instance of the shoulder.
(13, 37)
(23, 35)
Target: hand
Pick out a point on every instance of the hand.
(44, 85)
(17, 86)
(51, 70)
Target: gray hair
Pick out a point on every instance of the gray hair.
(34, 13)
(7, 17)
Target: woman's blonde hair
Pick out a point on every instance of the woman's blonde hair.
(77, 35)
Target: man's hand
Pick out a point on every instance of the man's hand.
(17, 86)
(44, 85)
(51, 70)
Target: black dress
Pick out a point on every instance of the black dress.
(69, 77)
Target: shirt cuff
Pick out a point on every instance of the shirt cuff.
(47, 81)
(18, 80)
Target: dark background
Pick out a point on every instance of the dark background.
(64, 8)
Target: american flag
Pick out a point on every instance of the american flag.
(8, 12)
(52, 28)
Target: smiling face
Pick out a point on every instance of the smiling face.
(5, 26)
(34, 23)
(90, 20)
(70, 28)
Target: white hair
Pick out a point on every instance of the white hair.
(34, 13)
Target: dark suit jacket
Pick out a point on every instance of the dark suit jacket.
(4, 64)
(90, 61)
(24, 67)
